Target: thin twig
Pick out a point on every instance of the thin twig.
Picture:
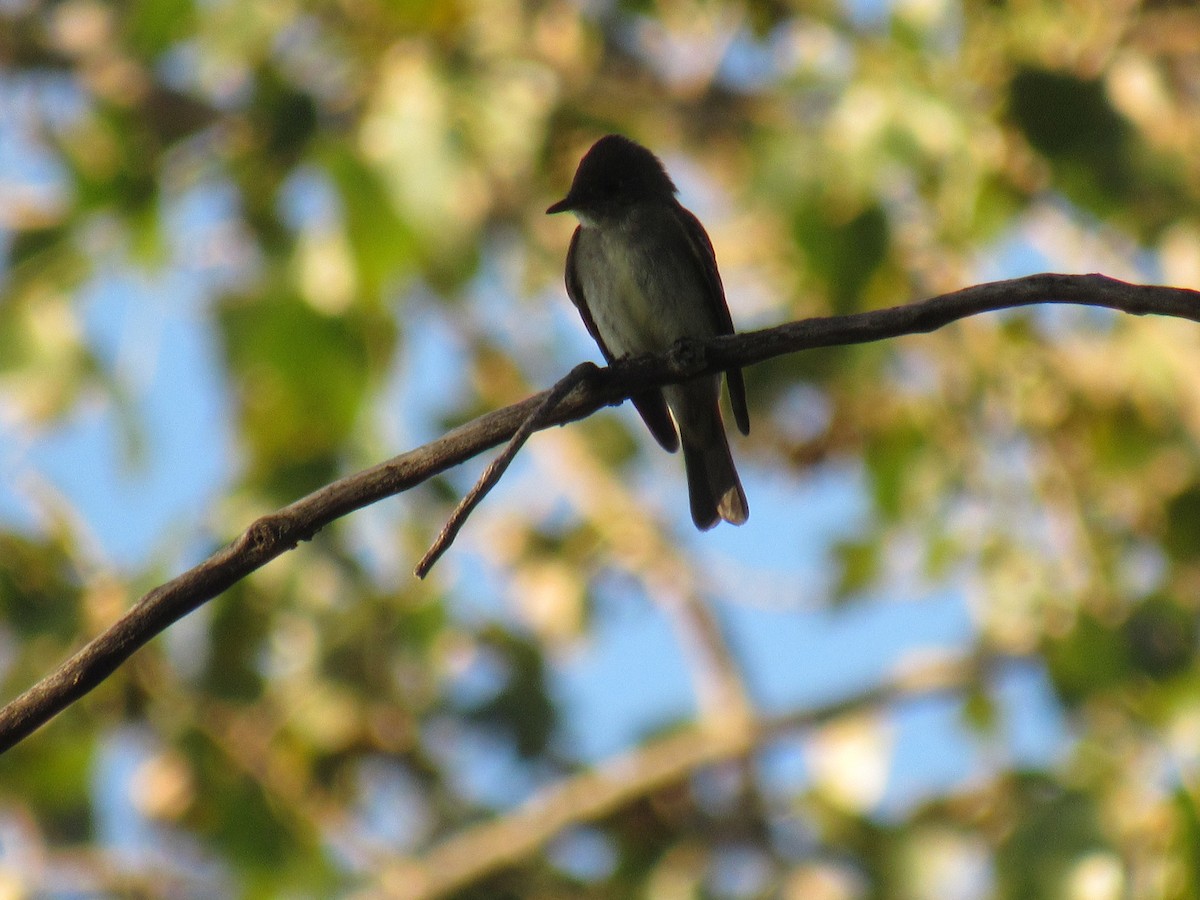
(498, 466)
(281, 531)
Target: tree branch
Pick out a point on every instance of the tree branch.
(497, 467)
(279, 532)
(485, 849)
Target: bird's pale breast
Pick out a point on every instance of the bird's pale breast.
(644, 289)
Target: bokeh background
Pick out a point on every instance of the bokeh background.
(246, 248)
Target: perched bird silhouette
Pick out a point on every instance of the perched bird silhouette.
(643, 275)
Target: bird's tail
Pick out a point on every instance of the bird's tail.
(713, 485)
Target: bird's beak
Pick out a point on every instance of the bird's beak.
(562, 205)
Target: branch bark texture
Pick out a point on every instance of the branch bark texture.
(272, 535)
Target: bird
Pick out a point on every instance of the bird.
(643, 275)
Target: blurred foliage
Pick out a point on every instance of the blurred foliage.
(375, 168)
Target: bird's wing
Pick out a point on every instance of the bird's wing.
(651, 404)
(718, 311)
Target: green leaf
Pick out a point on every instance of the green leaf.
(858, 565)
(384, 247)
(1091, 658)
(1182, 539)
(39, 589)
(522, 707)
(303, 378)
(152, 26)
(1054, 829)
(1161, 637)
(1188, 831)
(1071, 121)
(890, 458)
(844, 253)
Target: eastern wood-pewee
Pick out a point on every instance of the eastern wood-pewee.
(642, 273)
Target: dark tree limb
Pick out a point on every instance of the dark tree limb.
(281, 531)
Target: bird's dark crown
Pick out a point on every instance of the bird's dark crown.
(616, 172)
